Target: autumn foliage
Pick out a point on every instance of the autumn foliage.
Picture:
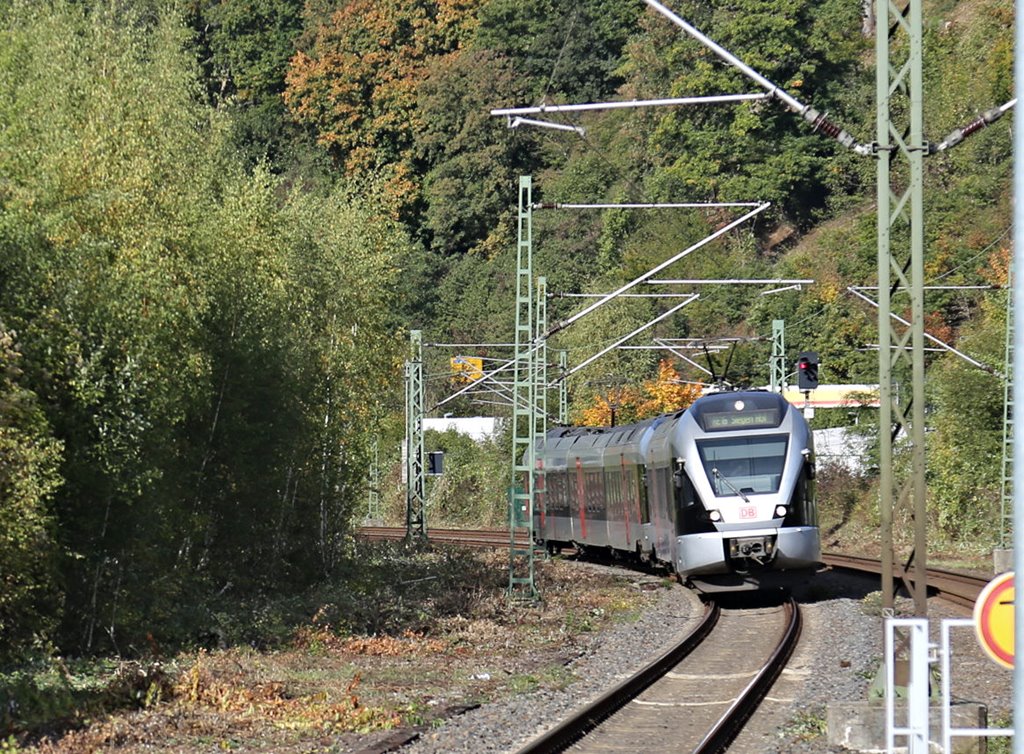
(661, 395)
(356, 79)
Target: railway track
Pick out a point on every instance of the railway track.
(953, 586)
(465, 537)
(696, 697)
(669, 705)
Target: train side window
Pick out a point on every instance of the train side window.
(554, 482)
(683, 496)
(633, 490)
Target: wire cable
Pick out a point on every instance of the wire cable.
(558, 60)
(975, 257)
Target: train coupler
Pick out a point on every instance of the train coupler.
(758, 549)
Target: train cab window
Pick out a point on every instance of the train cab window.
(737, 465)
(691, 516)
(802, 510)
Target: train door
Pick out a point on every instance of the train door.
(646, 534)
(659, 458)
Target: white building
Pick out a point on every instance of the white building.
(478, 428)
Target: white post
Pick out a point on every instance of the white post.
(1018, 369)
(916, 729)
(948, 731)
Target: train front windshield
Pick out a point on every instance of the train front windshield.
(744, 465)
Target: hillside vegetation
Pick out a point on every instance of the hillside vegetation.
(219, 220)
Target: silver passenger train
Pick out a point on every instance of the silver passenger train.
(722, 492)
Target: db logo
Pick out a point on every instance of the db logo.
(749, 511)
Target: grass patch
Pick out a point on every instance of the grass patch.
(1000, 744)
(53, 694)
(402, 635)
(807, 725)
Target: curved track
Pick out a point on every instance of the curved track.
(465, 537)
(697, 703)
(695, 698)
(953, 586)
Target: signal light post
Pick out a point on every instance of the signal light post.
(807, 370)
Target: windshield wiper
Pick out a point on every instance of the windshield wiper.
(718, 475)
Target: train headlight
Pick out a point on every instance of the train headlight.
(715, 515)
(780, 511)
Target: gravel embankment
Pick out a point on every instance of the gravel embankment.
(840, 651)
(612, 656)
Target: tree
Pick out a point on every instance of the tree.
(754, 150)
(29, 477)
(565, 50)
(667, 392)
(619, 403)
(356, 75)
(470, 161)
(202, 340)
(964, 467)
(246, 46)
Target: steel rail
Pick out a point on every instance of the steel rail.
(953, 586)
(573, 728)
(732, 722)
(468, 537)
(577, 726)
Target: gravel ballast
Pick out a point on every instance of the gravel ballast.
(839, 653)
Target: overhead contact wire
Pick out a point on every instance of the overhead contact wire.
(818, 120)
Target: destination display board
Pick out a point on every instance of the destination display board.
(755, 419)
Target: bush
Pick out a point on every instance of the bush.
(29, 458)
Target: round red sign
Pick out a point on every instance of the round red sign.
(993, 619)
